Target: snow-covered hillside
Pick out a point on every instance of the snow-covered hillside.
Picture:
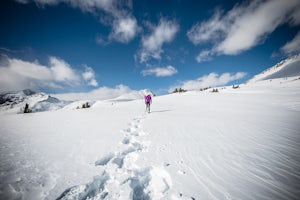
(234, 144)
(286, 68)
(12, 98)
(238, 143)
(14, 102)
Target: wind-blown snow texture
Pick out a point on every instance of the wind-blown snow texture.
(235, 144)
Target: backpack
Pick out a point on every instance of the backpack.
(148, 98)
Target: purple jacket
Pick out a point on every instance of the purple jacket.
(148, 99)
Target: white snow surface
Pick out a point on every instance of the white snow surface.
(234, 144)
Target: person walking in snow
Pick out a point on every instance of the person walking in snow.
(148, 101)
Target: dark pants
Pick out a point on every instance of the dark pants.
(148, 107)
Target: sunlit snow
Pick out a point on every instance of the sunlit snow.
(233, 144)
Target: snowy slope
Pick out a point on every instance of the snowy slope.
(11, 98)
(286, 68)
(49, 104)
(14, 102)
(235, 144)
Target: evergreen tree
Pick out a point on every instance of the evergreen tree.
(26, 109)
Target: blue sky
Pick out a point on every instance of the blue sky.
(61, 46)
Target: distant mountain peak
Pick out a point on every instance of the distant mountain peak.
(38, 102)
(28, 92)
(16, 97)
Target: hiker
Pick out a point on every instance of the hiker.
(148, 101)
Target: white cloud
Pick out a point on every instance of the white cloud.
(62, 71)
(160, 71)
(152, 44)
(98, 94)
(17, 74)
(124, 29)
(292, 46)
(89, 76)
(210, 80)
(253, 23)
(93, 83)
(87, 6)
(206, 31)
(245, 26)
(117, 15)
(109, 93)
(295, 16)
(203, 56)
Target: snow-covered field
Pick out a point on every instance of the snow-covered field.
(239, 143)
(235, 144)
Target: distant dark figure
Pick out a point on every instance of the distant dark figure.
(148, 101)
(26, 109)
(86, 105)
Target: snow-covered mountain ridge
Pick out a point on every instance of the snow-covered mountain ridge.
(289, 67)
(10, 98)
(14, 102)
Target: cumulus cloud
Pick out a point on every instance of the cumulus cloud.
(101, 93)
(17, 74)
(160, 71)
(124, 29)
(89, 76)
(61, 71)
(115, 13)
(244, 26)
(293, 46)
(152, 44)
(210, 80)
(209, 30)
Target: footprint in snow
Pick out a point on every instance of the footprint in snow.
(104, 160)
(122, 178)
(126, 140)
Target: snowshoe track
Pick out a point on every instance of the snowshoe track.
(122, 178)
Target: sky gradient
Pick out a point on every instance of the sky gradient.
(61, 46)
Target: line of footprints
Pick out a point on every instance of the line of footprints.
(122, 178)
